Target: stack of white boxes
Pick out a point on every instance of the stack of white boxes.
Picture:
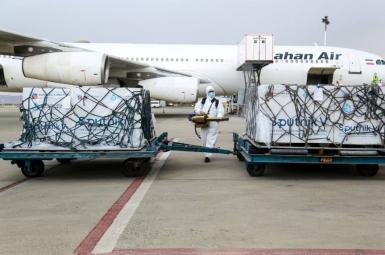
(89, 116)
(321, 115)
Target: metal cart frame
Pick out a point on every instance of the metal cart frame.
(135, 161)
(256, 157)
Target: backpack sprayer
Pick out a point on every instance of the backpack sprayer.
(203, 121)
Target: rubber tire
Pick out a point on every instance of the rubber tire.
(133, 168)
(367, 170)
(240, 156)
(255, 170)
(63, 160)
(36, 169)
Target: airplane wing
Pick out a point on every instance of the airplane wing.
(23, 45)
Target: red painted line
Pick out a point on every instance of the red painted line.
(22, 180)
(13, 185)
(93, 237)
(245, 251)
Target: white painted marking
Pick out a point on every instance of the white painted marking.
(108, 241)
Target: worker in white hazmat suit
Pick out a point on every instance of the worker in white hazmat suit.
(213, 108)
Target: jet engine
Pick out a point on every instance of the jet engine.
(77, 68)
(173, 89)
(11, 75)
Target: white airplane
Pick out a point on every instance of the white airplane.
(176, 73)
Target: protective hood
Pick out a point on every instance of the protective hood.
(209, 88)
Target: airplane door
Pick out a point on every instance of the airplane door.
(259, 47)
(354, 65)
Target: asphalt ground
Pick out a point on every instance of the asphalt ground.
(185, 206)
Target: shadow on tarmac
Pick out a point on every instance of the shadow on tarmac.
(112, 170)
(86, 170)
(317, 172)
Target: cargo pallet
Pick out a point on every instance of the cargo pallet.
(257, 157)
(136, 161)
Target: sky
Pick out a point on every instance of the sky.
(354, 24)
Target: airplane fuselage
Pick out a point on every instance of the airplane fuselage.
(218, 63)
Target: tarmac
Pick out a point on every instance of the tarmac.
(186, 206)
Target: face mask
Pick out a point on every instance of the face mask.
(211, 94)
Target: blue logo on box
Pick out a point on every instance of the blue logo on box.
(348, 107)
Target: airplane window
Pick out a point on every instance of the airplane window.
(287, 61)
(207, 60)
(137, 59)
(186, 59)
(296, 61)
(166, 59)
(141, 59)
(161, 59)
(222, 60)
(326, 61)
(152, 59)
(156, 59)
(201, 59)
(216, 60)
(172, 59)
(316, 61)
(291, 61)
(146, 59)
(321, 61)
(383, 62)
(378, 62)
(212, 60)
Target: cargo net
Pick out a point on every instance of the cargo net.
(86, 118)
(305, 115)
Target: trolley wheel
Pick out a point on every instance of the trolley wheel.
(33, 168)
(240, 156)
(135, 168)
(367, 170)
(63, 160)
(255, 170)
